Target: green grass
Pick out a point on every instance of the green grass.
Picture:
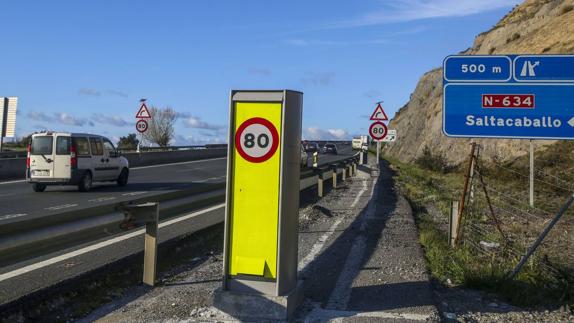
(462, 265)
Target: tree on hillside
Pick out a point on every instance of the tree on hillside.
(130, 142)
(160, 127)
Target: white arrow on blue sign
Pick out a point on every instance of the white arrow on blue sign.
(521, 97)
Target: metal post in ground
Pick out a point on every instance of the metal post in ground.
(453, 223)
(531, 173)
(465, 190)
(378, 150)
(543, 235)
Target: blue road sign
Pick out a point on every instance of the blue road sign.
(521, 97)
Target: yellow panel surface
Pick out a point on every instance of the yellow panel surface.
(255, 201)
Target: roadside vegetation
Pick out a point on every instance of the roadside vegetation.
(431, 184)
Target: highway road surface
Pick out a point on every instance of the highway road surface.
(18, 201)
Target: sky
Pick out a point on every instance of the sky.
(83, 66)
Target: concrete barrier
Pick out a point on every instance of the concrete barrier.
(15, 168)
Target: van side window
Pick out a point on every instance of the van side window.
(82, 146)
(42, 145)
(63, 145)
(96, 144)
(109, 146)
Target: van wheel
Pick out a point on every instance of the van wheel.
(123, 178)
(85, 182)
(39, 187)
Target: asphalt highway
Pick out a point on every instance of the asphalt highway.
(18, 201)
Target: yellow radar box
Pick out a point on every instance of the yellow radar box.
(262, 200)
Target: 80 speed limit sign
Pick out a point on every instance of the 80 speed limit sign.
(256, 140)
(378, 130)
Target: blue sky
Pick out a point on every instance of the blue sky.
(84, 65)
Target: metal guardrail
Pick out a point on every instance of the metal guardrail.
(31, 237)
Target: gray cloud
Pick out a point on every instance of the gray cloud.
(116, 121)
(117, 93)
(322, 79)
(39, 116)
(70, 120)
(89, 92)
(197, 123)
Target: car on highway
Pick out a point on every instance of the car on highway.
(312, 147)
(304, 157)
(58, 158)
(330, 149)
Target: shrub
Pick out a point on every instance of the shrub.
(431, 161)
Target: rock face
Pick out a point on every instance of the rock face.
(534, 27)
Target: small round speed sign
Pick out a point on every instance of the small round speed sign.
(378, 130)
(256, 140)
(141, 126)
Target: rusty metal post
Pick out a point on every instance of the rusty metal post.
(465, 189)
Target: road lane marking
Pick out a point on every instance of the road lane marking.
(341, 294)
(318, 246)
(51, 261)
(60, 207)
(12, 182)
(11, 216)
(102, 199)
(322, 315)
(135, 193)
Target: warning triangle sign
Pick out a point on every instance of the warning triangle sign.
(143, 112)
(379, 114)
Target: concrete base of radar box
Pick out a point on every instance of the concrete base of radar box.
(254, 307)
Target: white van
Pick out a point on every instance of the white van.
(57, 158)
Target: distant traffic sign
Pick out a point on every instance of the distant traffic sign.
(379, 114)
(143, 112)
(141, 126)
(391, 136)
(378, 130)
(523, 97)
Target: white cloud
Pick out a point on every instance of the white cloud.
(70, 120)
(196, 122)
(315, 133)
(190, 140)
(410, 10)
(262, 71)
(116, 121)
(323, 79)
(89, 92)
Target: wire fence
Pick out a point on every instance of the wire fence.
(499, 224)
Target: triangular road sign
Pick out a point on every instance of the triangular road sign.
(143, 112)
(379, 114)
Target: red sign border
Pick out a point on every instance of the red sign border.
(146, 125)
(274, 134)
(371, 130)
(143, 107)
(385, 118)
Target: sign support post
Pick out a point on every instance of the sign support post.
(378, 151)
(531, 173)
(262, 204)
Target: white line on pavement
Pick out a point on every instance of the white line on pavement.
(100, 245)
(11, 216)
(318, 246)
(322, 315)
(102, 199)
(134, 193)
(60, 207)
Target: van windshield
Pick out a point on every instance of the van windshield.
(42, 145)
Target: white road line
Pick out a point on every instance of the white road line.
(135, 193)
(102, 199)
(341, 294)
(322, 315)
(141, 167)
(12, 182)
(318, 246)
(11, 216)
(100, 245)
(361, 192)
(60, 207)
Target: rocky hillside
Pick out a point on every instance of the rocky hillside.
(534, 27)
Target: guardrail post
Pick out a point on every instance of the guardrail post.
(354, 167)
(148, 214)
(344, 171)
(334, 168)
(320, 185)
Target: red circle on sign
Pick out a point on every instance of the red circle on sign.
(256, 141)
(377, 136)
(141, 126)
